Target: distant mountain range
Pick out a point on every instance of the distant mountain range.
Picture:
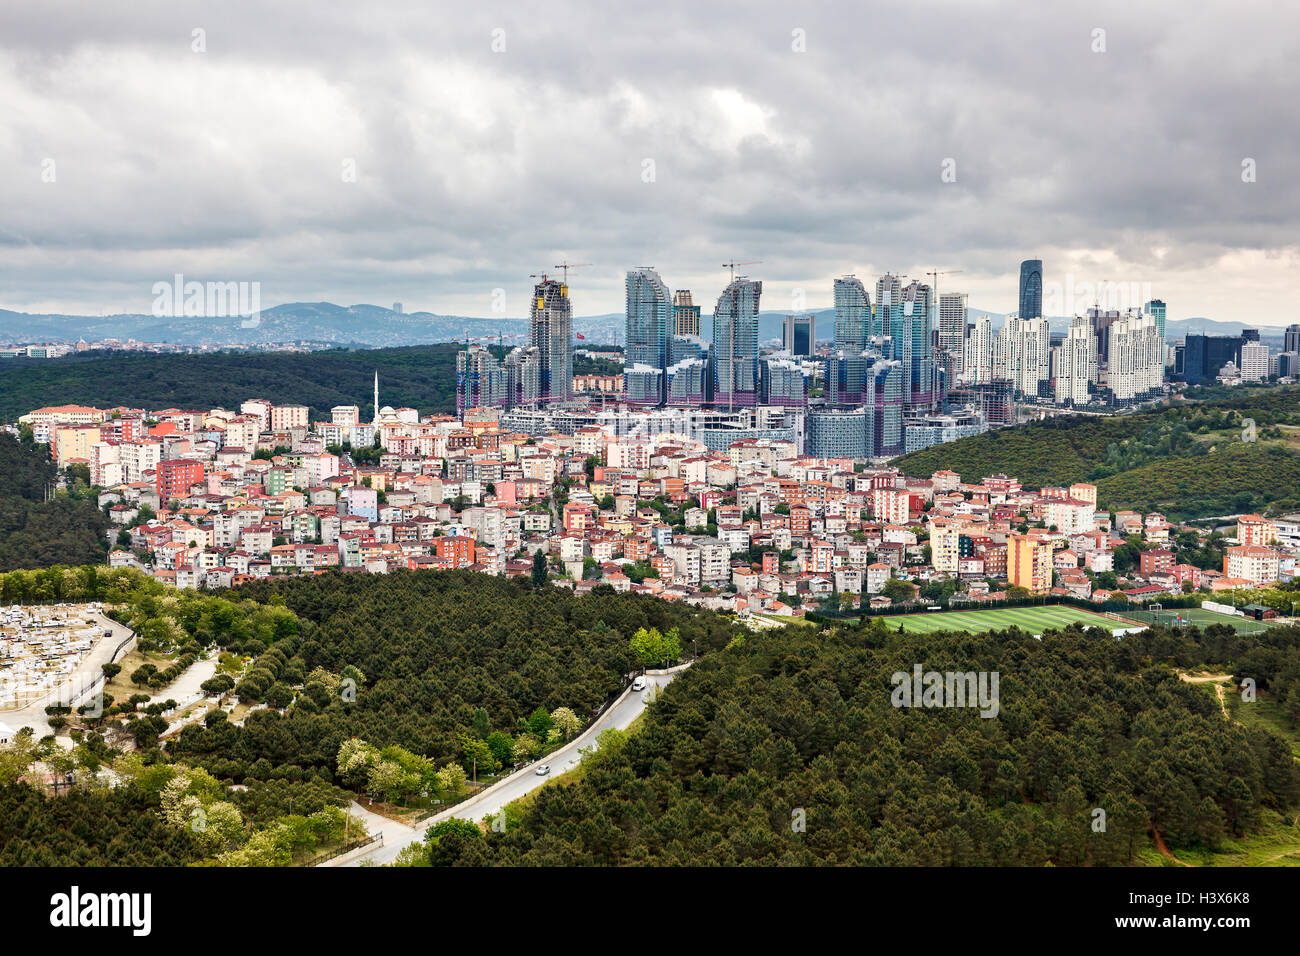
(373, 326)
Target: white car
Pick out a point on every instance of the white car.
(638, 684)
(543, 770)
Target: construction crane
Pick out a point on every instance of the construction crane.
(566, 266)
(732, 266)
(934, 273)
(938, 332)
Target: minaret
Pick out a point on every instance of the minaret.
(376, 396)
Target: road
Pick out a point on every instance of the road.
(398, 836)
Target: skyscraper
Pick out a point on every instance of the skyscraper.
(845, 377)
(979, 353)
(1031, 289)
(781, 382)
(522, 371)
(1077, 364)
(1136, 366)
(649, 320)
(1204, 356)
(686, 314)
(852, 315)
(888, 311)
(917, 329)
(799, 335)
(1291, 339)
(480, 383)
(952, 332)
(735, 344)
(551, 323)
(1022, 355)
(1156, 309)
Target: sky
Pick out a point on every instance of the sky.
(439, 155)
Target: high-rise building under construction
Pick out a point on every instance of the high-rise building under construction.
(551, 324)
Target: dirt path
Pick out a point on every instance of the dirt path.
(1160, 845)
(1220, 691)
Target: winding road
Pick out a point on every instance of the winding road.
(398, 836)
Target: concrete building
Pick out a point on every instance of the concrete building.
(1029, 562)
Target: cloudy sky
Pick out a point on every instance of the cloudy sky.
(431, 153)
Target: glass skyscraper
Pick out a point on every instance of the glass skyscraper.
(799, 335)
(1156, 309)
(649, 320)
(918, 326)
(1291, 338)
(852, 315)
(1031, 289)
(735, 344)
(903, 317)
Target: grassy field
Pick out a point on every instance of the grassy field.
(1033, 619)
(1201, 618)
(1276, 844)
(1264, 712)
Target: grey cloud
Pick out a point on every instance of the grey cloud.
(476, 168)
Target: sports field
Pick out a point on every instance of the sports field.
(1200, 617)
(1035, 620)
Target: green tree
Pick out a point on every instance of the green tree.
(566, 721)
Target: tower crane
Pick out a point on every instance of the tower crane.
(565, 266)
(732, 266)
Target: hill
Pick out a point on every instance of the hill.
(790, 748)
(318, 323)
(421, 377)
(405, 687)
(35, 533)
(1187, 459)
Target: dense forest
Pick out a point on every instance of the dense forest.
(1188, 459)
(421, 377)
(399, 686)
(37, 533)
(786, 748)
(433, 648)
(108, 827)
(777, 747)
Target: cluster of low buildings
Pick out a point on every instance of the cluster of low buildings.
(673, 505)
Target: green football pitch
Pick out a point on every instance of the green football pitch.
(1036, 620)
(1200, 617)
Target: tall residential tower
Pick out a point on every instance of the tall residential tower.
(735, 344)
(551, 323)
